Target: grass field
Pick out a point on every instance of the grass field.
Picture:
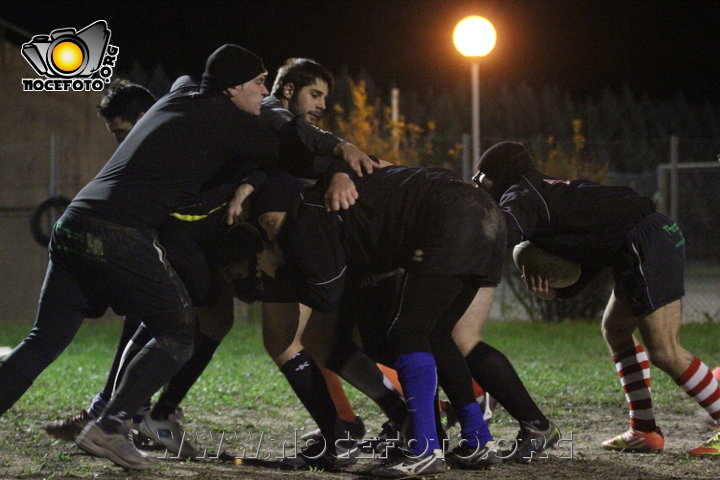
(243, 400)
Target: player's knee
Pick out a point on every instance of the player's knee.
(663, 357)
(175, 333)
(613, 332)
(216, 327)
(43, 348)
(179, 347)
(466, 339)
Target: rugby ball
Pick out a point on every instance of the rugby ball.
(562, 273)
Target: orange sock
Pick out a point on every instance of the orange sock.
(339, 398)
(391, 375)
(478, 390)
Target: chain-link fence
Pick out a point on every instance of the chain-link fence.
(31, 171)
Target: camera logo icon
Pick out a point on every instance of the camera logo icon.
(66, 54)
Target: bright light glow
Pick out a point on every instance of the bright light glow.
(474, 36)
(67, 56)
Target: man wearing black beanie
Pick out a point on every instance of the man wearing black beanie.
(228, 69)
(104, 250)
(229, 66)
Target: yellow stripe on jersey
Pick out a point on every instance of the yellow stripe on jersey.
(195, 218)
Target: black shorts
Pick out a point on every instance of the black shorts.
(369, 304)
(651, 270)
(115, 266)
(461, 232)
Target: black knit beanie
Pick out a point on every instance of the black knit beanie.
(277, 194)
(503, 163)
(230, 65)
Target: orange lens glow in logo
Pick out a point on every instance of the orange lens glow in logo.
(67, 56)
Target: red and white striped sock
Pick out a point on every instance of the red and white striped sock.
(699, 382)
(633, 367)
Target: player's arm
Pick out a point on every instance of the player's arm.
(521, 210)
(236, 205)
(341, 193)
(184, 83)
(298, 134)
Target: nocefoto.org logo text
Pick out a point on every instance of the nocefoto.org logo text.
(71, 60)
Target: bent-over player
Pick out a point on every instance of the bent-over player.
(610, 227)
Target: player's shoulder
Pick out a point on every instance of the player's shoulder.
(184, 83)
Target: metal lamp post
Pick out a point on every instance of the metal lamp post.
(475, 37)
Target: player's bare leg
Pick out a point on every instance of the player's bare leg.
(283, 328)
(661, 333)
(633, 367)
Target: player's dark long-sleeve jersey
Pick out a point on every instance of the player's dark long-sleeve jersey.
(578, 220)
(189, 142)
(306, 149)
(424, 220)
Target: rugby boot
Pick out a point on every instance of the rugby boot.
(710, 448)
(634, 441)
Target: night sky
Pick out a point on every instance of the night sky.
(581, 46)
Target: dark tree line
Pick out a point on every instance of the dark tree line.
(626, 131)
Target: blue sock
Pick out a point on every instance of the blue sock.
(418, 375)
(474, 430)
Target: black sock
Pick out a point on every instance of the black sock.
(361, 372)
(307, 381)
(454, 375)
(494, 372)
(185, 378)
